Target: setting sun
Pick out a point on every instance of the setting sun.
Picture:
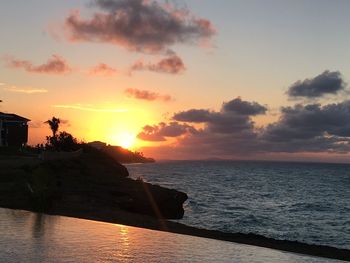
(124, 139)
(232, 116)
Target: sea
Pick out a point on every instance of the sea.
(307, 202)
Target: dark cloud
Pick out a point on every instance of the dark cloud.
(228, 123)
(146, 95)
(219, 122)
(318, 144)
(234, 116)
(235, 111)
(329, 82)
(194, 115)
(146, 26)
(103, 69)
(230, 132)
(170, 65)
(162, 130)
(54, 65)
(310, 121)
(244, 107)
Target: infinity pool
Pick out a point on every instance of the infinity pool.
(30, 237)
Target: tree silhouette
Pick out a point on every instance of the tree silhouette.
(54, 124)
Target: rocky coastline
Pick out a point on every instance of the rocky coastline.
(96, 187)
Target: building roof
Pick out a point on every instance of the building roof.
(12, 117)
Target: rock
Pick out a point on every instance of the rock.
(92, 182)
(154, 200)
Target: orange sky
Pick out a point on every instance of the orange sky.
(107, 81)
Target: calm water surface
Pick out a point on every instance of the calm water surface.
(32, 238)
(293, 201)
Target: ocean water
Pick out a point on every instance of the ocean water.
(308, 202)
(32, 238)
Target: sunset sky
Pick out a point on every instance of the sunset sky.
(183, 79)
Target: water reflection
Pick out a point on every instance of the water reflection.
(122, 251)
(38, 229)
(28, 237)
(39, 223)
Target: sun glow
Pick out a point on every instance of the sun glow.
(124, 139)
(113, 128)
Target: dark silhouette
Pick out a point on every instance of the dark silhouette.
(54, 124)
(126, 156)
(66, 142)
(13, 130)
(94, 186)
(63, 141)
(93, 181)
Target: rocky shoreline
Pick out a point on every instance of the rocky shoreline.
(92, 181)
(96, 187)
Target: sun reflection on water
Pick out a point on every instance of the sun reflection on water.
(123, 243)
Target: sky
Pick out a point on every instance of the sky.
(183, 79)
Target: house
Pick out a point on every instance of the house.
(13, 130)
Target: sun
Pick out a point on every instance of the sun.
(125, 139)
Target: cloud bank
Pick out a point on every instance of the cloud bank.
(234, 116)
(139, 25)
(54, 65)
(231, 132)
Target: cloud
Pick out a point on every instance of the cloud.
(194, 115)
(306, 122)
(328, 82)
(54, 65)
(103, 69)
(2, 83)
(234, 116)
(146, 95)
(139, 25)
(25, 90)
(162, 130)
(231, 132)
(244, 107)
(89, 108)
(236, 108)
(170, 65)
